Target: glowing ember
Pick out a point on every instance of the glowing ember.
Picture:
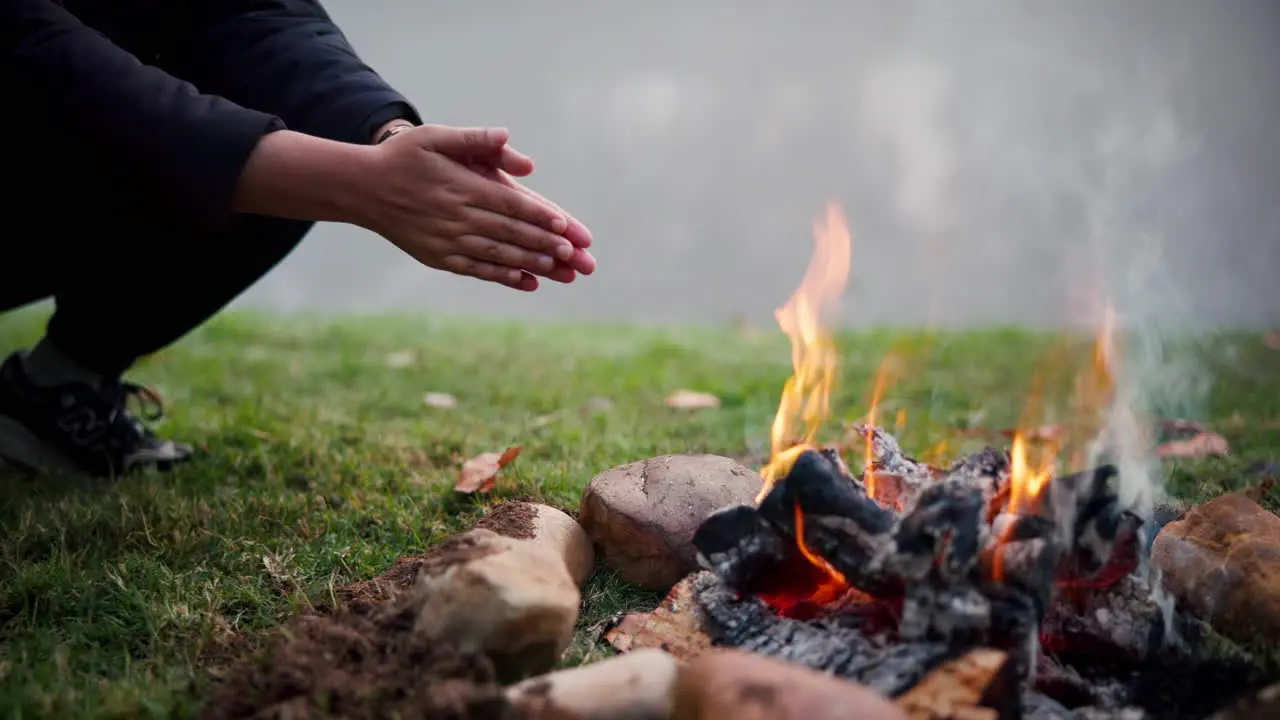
(806, 395)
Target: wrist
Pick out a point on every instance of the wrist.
(390, 129)
(301, 177)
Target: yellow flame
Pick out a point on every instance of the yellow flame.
(806, 396)
(1025, 483)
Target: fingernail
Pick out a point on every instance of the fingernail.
(559, 224)
(514, 276)
(565, 252)
(546, 262)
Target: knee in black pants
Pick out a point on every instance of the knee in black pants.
(122, 301)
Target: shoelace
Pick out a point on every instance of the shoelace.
(150, 404)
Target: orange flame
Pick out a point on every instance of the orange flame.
(1025, 483)
(835, 584)
(806, 396)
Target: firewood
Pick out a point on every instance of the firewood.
(975, 686)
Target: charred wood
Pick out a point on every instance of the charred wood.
(873, 660)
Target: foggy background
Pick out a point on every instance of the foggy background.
(998, 162)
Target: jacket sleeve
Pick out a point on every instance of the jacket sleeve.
(288, 58)
(157, 134)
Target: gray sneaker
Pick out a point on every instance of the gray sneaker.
(80, 428)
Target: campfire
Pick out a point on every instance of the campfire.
(884, 574)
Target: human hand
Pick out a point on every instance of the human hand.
(499, 165)
(577, 233)
(450, 217)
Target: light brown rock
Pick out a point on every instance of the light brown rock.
(546, 526)
(517, 603)
(742, 686)
(636, 686)
(642, 516)
(1221, 561)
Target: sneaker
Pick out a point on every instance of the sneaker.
(78, 427)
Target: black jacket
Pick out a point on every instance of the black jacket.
(165, 99)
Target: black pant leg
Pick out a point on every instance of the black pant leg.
(154, 285)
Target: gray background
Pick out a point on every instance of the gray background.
(998, 161)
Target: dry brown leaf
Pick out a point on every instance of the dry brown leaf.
(444, 401)
(1272, 340)
(692, 400)
(480, 473)
(674, 626)
(1200, 445)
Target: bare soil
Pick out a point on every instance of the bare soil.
(362, 660)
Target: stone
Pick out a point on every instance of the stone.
(636, 686)
(512, 599)
(642, 515)
(740, 685)
(1221, 561)
(546, 526)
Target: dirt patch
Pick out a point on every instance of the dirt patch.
(361, 659)
(365, 662)
(360, 664)
(511, 519)
(401, 576)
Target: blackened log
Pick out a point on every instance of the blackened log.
(1121, 624)
(747, 623)
(1027, 566)
(816, 485)
(887, 456)
(958, 615)
(741, 548)
(986, 470)
(942, 534)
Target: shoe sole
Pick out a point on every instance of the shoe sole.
(19, 447)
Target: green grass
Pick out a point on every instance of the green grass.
(320, 465)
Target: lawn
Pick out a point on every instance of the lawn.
(320, 464)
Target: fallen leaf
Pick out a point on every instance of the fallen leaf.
(674, 626)
(444, 401)
(1205, 443)
(1272, 340)
(480, 473)
(692, 400)
(402, 359)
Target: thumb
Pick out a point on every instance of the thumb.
(463, 141)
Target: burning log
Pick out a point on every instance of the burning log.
(831, 645)
(883, 577)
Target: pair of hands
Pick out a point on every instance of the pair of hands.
(449, 199)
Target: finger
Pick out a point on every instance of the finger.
(500, 253)
(470, 267)
(508, 227)
(505, 159)
(462, 141)
(528, 283)
(575, 232)
(582, 261)
(562, 273)
(505, 200)
(514, 162)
